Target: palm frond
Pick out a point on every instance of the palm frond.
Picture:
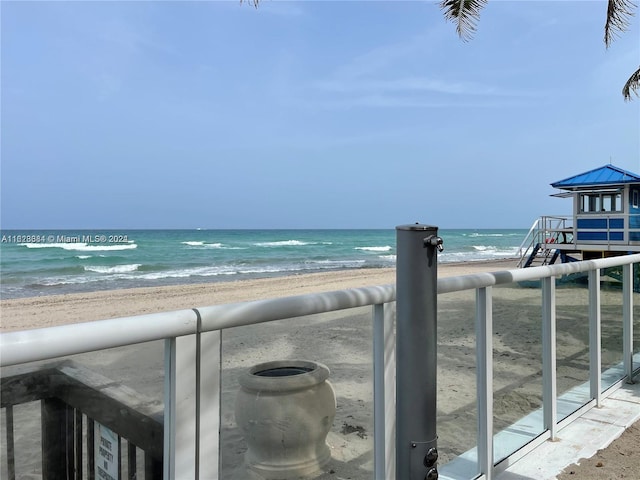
(619, 13)
(632, 86)
(465, 14)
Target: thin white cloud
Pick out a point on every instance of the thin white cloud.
(401, 74)
(396, 101)
(417, 85)
(383, 57)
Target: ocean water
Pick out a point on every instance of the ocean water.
(34, 263)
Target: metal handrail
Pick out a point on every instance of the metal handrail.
(52, 342)
(539, 233)
(522, 250)
(46, 343)
(482, 280)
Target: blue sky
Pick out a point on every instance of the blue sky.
(324, 114)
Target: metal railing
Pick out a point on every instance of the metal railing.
(544, 232)
(192, 403)
(487, 466)
(616, 231)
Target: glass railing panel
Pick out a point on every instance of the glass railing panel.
(457, 417)
(271, 425)
(572, 346)
(636, 315)
(103, 401)
(23, 421)
(517, 356)
(611, 317)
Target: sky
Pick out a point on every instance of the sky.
(306, 114)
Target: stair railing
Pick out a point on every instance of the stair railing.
(528, 244)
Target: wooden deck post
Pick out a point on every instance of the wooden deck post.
(55, 454)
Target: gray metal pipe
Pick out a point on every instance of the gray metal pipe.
(416, 310)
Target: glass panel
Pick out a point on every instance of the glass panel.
(26, 437)
(612, 202)
(121, 388)
(343, 342)
(457, 410)
(517, 329)
(572, 344)
(636, 317)
(584, 203)
(611, 326)
(136, 374)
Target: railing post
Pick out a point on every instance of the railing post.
(192, 406)
(484, 379)
(549, 378)
(11, 458)
(627, 318)
(55, 444)
(416, 307)
(595, 337)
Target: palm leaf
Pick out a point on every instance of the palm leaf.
(465, 14)
(619, 13)
(632, 86)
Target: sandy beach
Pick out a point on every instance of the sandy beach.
(47, 311)
(342, 341)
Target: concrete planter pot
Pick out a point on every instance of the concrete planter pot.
(285, 410)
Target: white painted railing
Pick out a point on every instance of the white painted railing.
(482, 283)
(193, 346)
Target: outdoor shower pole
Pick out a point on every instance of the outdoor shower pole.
(416, 292)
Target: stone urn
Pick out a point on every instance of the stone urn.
(285, 410)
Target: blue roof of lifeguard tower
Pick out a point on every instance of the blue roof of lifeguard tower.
(606, 175)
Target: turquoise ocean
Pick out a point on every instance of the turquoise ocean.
(51, 262)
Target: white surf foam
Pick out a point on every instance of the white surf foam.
(283, 243)
(386, 248)
(82, 247)
(115, 269)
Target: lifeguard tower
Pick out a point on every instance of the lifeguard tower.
(605, 221)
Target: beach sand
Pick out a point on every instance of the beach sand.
(343, 342)
(620, 460)
(47, 311)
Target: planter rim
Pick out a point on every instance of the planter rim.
(317, 374)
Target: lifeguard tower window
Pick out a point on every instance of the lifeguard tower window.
(600, 202)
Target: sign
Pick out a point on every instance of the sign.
(106, 453)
